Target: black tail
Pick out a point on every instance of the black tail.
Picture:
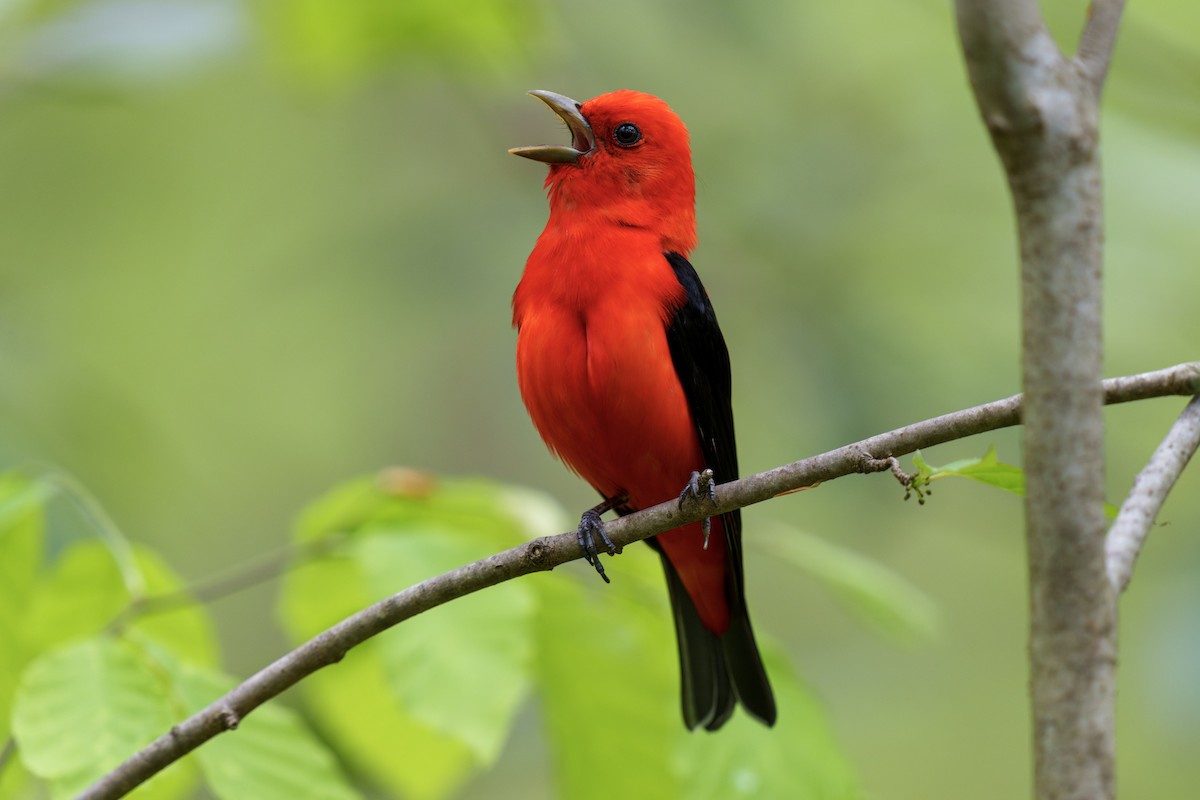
(717, 671)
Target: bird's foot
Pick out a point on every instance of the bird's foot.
(699, 486)
(591, 527)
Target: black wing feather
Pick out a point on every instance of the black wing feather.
(702, 364)
(708, 663)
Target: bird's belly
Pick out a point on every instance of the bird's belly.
(606, 399)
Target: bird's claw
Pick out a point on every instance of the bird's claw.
(591, 527)
(700, 484)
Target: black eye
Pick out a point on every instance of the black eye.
(627, 134)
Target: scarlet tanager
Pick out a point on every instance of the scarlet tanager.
(625, 372)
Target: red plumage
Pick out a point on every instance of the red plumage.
(601, 313)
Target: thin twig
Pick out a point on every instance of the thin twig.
(102, 525)
(548, 552)
(1150, 490)
(1098, 39)
(237, 578)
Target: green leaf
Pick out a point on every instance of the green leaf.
(343, 509)
(423, 707)
(85, 592)
(188, 631)
(462, 668)
(923, 468)
(177, 781)
(352, 701)
(608, 673)
(22, 501)
(876, 595)
(608, 678)
(15, 781)
(989, 470)
(272, 754)
(84, 708)
(797, 758)
(20, 495)
(402, 496)
(81, 595)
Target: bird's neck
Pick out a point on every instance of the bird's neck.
(669, 215)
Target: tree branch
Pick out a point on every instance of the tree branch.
(1098, 39)
(1150, 489)
(548, 552)
(235, 579)
(1042, 111)
(1007, 48)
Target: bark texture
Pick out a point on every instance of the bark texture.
(1042, 111)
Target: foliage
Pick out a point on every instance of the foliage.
(85, 681)
(92, 673)
(221, 290)
(880, 598)
(988, 470)
(599, 661)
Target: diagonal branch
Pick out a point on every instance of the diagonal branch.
(1150, 489)
(869, 455)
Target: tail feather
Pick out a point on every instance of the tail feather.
(707, 697)
(716, 671)
(745, 667)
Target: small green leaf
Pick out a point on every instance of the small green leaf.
(85, 592)
(21, 495)
(531, 513)
(989, 470)
(82, 709)
(923, 468)
(462, 668)
(423, 707)
(342, 510)
(875, 594)
(272, 754)
(353, 701)
(82, 593)
(402, 496)
(22, 501)
(609, 682)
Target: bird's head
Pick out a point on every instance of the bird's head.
(629, 163)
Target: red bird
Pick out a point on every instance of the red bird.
(625, 373)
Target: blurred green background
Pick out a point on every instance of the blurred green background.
(249, 249)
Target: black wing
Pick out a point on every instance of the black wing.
(715, 669)
(702, 364)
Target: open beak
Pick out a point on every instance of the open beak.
(582, 140)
